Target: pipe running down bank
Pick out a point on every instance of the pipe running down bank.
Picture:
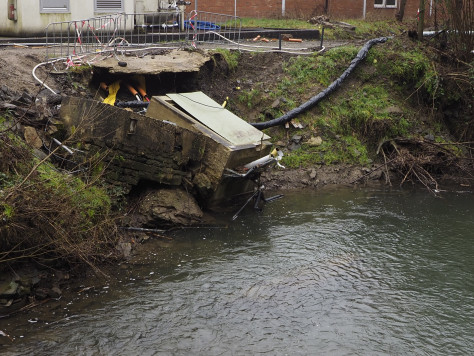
(317, 98)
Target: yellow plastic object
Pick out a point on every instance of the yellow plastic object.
(224, 104)
(113, 89)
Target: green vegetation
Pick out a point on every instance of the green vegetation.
(372, 106)
(369, 111)
(346, 149)
(363, 28)
(231, 57)
(321, 69)
(46, 215)
(303, 75)
(408, 69)
(250, 97)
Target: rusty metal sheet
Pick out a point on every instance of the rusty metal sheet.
(218, 119)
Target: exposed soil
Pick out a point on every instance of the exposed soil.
(16, 65)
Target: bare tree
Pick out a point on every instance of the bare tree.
(421, 19)
(399, 15)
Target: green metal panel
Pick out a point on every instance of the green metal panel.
(218, 119)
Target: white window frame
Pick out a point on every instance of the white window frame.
(384, 5)
(103, 7)
(54, 10)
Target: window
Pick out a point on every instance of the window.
(108, 5)
(54, 6)
(385, 3)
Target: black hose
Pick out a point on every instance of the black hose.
(316, 99)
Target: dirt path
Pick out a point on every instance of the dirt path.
(16, 65)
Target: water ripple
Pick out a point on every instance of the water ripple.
(339, 273)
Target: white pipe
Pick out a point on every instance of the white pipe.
(432, 33)
(364, 10)
(260, 162)
(41, 82)
(235, 8)
(67, 149)
(283, 8)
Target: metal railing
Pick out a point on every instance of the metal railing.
(87, 40)
(158, 28)
(76, 38)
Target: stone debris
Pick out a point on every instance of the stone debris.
(168, 207)
(315, 141)
(29, 116)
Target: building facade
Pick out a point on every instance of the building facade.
(338, 9)
(20, 18)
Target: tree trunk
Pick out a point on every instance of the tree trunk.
(401, 12)
(421, 20)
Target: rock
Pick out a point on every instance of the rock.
(55, 292)
(429, 137)
(24, 98)
(203, 185)
(41, 293)
(276, 103)
(315, 141)
(169, 207)
(125, 248)
(40, 154)
(32, 138)
(296, 138)
(8, 289)
(312, 174)
(293, 146)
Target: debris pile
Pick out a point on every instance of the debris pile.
(30, 116)
(284, 37)
(422, 160)
(326, 22)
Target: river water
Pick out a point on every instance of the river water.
(332, 272)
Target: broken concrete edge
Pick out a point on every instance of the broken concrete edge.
(156, 151)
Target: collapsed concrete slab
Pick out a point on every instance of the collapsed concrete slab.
(149, 63)
(184, 139)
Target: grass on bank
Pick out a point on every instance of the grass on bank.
(363, 28)
(378, 102)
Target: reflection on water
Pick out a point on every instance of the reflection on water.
(330, 272)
